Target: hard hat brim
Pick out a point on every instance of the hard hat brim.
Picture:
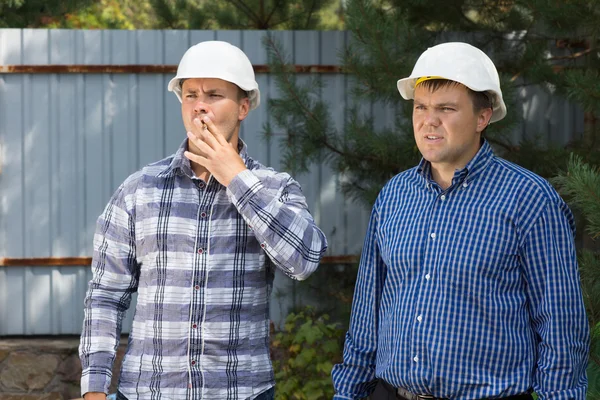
(406, 87)
(253, 93)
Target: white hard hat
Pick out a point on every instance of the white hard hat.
(462, 63)
(217, 59)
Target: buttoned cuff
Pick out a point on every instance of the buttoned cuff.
(97, 373)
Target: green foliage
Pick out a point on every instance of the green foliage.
(107, 14)
(36, 13)
(532, 42)
(245, 14)
(172, 14)
(581, 185)
(304, 353)
(594, 365)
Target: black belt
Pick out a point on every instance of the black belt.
(406, 395)
(403, 394)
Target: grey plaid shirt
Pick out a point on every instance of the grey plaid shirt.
(202, 258)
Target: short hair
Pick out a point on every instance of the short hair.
(480, 100)
(241, 92)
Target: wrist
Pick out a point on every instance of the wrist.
(94, 396)
(234, 174)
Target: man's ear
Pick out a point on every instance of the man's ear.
(483, 119)
(244, 108)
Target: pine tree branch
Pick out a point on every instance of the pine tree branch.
(573, 56)
(381, 51)
(275, 7)
(289, 87)
(505, 146)
(240, 5)
(310, 13)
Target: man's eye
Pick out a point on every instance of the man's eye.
(419, 108)
(215, 95)
(447, 109)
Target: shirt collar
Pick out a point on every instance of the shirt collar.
(180, 164)
(472, 169)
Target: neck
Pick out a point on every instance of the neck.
(442, 177)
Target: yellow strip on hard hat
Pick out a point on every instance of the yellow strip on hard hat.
(427, 78)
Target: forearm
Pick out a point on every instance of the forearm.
(103, 315)
(281, 223)
(355, 377)
(557, 311)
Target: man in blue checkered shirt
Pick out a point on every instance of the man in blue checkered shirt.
(198, 235)
(468, 286)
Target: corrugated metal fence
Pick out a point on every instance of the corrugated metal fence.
(68, 139)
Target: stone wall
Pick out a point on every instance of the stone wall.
(36, 368)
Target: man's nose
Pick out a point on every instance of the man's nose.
(431, 118)
(200, 107)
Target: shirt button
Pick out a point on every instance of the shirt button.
(201, 185)
(465, 184)
(419, 318)
(203, 214)
(428, 277)
(443, 197)
(415, 359)
(194, 326)
(197, 287)
(432, 235)
(263, 245)
(193, 362)
(200, 250)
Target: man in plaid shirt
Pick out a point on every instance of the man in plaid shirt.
(198, 236)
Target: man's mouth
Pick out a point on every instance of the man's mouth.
(433, 137)
(198, 121)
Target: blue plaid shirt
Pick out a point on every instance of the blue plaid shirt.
(202, 258)
(468, 293)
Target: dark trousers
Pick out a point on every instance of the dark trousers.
(385, 391)
(268, 395)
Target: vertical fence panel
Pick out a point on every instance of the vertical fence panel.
(150, 99)
(252, 127)
(283, 293)
(334, 93)
(68, 140)
(38, 124)
(12, 209)
(176, 43)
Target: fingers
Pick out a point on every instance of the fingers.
(212, 128)
(204, 133)
(198, 159)
(200, 143)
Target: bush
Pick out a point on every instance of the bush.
(304, 353)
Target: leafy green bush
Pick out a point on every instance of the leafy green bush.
(304, 353)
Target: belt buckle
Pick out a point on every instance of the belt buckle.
(405, 394)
